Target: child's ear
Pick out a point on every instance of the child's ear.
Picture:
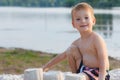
(94, 21)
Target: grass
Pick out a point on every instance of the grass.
(15, 61)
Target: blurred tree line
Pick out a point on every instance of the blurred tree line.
(59, 3)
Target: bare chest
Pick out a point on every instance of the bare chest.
(87, 47)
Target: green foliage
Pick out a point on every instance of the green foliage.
(59, 3)
(69, 3)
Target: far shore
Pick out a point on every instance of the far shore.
(16, 60)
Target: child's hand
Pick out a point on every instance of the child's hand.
(44, 68)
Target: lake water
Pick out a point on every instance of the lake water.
(50, 29)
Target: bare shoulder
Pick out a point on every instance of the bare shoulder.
(98, 40)
(97, 37)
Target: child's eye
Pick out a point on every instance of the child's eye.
(78, 19)
(86, 17)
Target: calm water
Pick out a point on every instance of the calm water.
(50, 30)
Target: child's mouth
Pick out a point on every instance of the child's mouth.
(83, 26)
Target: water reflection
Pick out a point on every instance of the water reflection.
(104, 24)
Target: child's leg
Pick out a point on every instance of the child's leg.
(74, 58)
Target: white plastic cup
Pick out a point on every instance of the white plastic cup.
(33, 74)
(53, 75)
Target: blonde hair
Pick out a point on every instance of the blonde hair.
(82, 5)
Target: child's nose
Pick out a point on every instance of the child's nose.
(83, 20)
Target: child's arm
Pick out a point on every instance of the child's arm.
(59, 57)
(102, 57)
(54, 61)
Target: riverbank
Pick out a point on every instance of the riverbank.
(16, 60)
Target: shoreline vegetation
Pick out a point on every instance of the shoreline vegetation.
(16, 60)
(59, 3)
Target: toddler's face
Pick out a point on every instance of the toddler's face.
(83, 20)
